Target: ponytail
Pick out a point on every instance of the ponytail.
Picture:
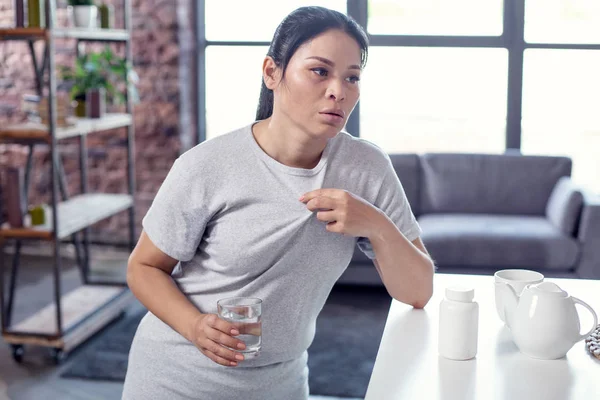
(265, 103)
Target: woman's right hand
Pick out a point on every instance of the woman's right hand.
(210, 334)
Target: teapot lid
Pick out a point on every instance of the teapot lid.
(548, 288)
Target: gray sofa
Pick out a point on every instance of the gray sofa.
(484, 212)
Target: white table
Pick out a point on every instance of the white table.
(408, 365)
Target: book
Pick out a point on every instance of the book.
(15, 196)
(19, 13)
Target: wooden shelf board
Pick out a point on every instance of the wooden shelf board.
(24, 233)
(75, 214)
(98, 34)
(84, 311)
(81, 126)
(22, 33)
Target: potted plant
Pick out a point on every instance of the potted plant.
(96, 76)
(83, 13)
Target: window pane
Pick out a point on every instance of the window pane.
(255, 20)
(562, 21)
(436, 17)
(561, 99)
(233, 80)
(435, 99)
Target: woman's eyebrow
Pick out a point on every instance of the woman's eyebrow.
(331, 63)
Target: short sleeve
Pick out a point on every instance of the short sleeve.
(392, 200)
(177, 218)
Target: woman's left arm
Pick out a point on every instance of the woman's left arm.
(405, 267)
(409, 281)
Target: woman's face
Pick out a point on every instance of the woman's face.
(320, 88)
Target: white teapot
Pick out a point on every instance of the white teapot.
(543, 320)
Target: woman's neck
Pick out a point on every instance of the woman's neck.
(288, 144)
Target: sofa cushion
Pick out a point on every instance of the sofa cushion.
(407, 167)
(497, 241)
(489, 183)
(564, 205)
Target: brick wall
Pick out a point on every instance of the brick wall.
(162, 37)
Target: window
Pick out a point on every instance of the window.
(435, 17)
(244, 20)
(562, 21)
(233, 72)
(561, 99)
(434, 99)
(233, 80)
(437, 78)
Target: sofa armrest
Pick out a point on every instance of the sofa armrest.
(589, 238)
(564, 205)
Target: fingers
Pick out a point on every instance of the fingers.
(321, 192)
(215, 322)
(310, 195)
(327, 216)
(321, 202)
(218, 359)
(216, 335)
(335, 227)
(217, 348)
(224, 339)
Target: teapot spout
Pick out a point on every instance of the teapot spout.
(510, 300)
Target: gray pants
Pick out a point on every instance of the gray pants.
(164, 365)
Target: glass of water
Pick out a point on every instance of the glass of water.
(245, 315)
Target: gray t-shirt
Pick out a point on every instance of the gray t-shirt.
(231, 214)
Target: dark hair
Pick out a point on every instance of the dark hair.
(300, 26)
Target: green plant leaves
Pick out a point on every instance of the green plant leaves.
(100, 69)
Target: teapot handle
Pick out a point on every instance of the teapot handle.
(576, 300)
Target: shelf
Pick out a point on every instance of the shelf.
(74, 215)
(84, 311)
(22, 33)
(31, 131)
(101, 35)
(89, 308)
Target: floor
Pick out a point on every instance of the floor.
(37, 377)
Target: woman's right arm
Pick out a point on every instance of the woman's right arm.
(149, 278)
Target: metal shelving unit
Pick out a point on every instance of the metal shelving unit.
(73, 317)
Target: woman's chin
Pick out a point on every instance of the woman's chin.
(326, 132)
(328, 129)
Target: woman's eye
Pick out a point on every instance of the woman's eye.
(320, 71)
(353, 79)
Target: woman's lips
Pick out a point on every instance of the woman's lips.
(333, 118)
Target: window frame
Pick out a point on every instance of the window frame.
(512, 39)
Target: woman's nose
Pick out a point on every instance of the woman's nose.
(336, 91)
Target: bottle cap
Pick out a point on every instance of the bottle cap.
(460, 293)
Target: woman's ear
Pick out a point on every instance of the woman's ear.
(271, 74)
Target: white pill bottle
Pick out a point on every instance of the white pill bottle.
(459, 323)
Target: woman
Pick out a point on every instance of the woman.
(272, 210)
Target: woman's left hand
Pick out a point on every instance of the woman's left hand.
(344, 212)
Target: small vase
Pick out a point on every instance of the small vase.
(95, 102)
(80, 109)
(107, 16)
(15, 200)
(83, 16)
(36, 14)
